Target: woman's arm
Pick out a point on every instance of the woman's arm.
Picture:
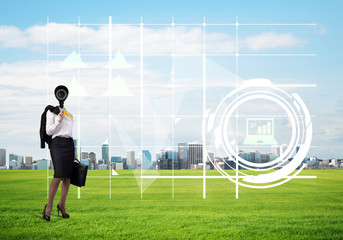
(51, 125)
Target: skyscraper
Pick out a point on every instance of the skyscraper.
(146, 159)
(276, 150)
(105, 152)
(116, 159)
(183, 155)
(283, 148)
(210, 156)
(17, 158)
(2, 157)
(42, 164)
(130, 159)
(124, 162)
(194, 154)
(92, 158)
(84, 155)
(76, 142)
(168, 159)
(28, 162)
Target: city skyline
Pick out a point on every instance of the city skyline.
(186, 155)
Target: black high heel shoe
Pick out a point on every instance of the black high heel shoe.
(46, 217)
(64, 215)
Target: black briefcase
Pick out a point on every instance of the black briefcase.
(79, 174)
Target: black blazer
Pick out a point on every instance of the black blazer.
(44, 137)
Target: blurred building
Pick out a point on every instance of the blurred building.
(101, 161)
(124, 160)
(84, 155)
(183, 155)
(17, 158)
(194, 154)
(283, 148)
(92, 159)
(76, 146)
(168, 159)
(146, 159)
(118, 166)
(2, 157)
(28, 162)
(102, 166)
(130, 160)
(276, 150)
(42, 164)
(230, 164)
(13, 164)
(105, 152)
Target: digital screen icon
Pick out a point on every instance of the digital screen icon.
(259, 131)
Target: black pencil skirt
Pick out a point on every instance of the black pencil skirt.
(62, 152)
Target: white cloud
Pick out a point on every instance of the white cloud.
(271, 40)
(12, 37)
(63, 38)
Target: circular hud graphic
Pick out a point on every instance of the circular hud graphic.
(276, 171)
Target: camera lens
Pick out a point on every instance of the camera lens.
(61, 94)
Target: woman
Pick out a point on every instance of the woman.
(62, 152)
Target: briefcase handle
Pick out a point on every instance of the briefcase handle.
(77, 160)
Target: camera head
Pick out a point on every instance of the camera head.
(61, 93)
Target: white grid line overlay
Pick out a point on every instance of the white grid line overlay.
(110, 97)
(237, 55)
(47, 98)
(204, 148)
(172, 85)
(141, 103)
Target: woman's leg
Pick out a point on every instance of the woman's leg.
(64, 193)
(55, 182)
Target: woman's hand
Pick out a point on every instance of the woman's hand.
(59, 117)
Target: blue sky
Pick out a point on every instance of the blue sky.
(22, 60)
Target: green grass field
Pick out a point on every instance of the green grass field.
(299, 209)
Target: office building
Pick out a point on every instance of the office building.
(183, 155)
(265, 158)
(118, 166)
(105, 152)
(194, 154)
(42, 164)
(146, 159)
(276, 150)
(210, 160)
(84, 155)
(102, 166)
(130, 160)
(123, 159)
(230, 164)
(34, 166)
(28, 162)
(17, 158)
(2, 157)
(101, 161)
(116, 159)
(168, 159)
(283, 148)
(92, 158)
(91, 166)
(76, 142)
(13, 164)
